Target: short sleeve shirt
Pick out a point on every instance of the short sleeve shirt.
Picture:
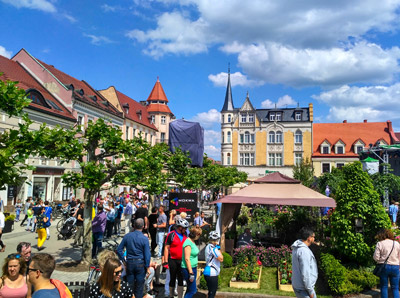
(194, 252)
(212, 253)
(162, 218)
(40, 221)
(126, 291)
(46, 293)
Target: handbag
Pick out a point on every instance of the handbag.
(380, 267)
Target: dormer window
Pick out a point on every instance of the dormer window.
(359, 149)
(339, 149)
(325, 149)
(272, 117)
(251, 118)
(278, 117)
(298, 116)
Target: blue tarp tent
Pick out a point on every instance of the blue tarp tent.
(190, 137)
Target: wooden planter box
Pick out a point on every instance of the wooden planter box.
(246, 285)
(285, 287)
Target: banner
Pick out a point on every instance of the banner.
(184, 202)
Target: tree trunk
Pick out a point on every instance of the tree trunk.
(87, 229)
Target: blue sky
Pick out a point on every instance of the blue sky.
(342, 56)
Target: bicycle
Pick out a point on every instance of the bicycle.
(94, 274)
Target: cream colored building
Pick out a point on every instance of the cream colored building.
(257, 141)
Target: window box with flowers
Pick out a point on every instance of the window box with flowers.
(285, 276)
(247, 275)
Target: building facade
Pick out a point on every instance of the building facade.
(260, 140)
(45, 181)
(336, 144)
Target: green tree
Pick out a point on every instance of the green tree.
(356, 200)
(304, 172)
(389, 182)
(333, 179)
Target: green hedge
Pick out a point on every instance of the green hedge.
(228, 262)
(342, 281)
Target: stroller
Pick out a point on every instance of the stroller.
(68, 228)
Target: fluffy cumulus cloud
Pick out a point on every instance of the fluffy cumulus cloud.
(237, 79)
(282, 42)
(4, 52)
(213, 152)
(207, 119)
(283, 101)
(212, 137)
(275, 63)
(42, 5)
(375, 103)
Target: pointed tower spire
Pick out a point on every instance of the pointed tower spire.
(228, 104)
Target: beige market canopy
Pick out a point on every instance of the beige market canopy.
(273, 189)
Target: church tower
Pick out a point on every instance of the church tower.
(227, 116)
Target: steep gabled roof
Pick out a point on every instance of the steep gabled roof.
(134, 108)
(157, 93)
(13, 71)
(228, 103)
(82, 91)
(349, 133)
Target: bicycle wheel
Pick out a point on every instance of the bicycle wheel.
(60, 224)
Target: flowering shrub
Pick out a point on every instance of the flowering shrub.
(248, 270)
(285, 271)
(269, 257)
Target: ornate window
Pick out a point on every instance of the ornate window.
(228, 137)
(244, 118)
(271, 160)
(247, 137)
(278, 137)
(228, 159)
(229, 118)
(278, 159)
(298, 137)
(251, 118)
(247, 159)
(271, 137)
(297, 158)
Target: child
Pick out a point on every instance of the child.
(30, 218)
(18, 208)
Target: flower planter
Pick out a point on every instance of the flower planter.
(283, 287)
(246, 285)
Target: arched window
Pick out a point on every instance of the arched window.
(271, 137)
(228, 136)
(278, 137)
(247, 137)
(37, 98)
(298, 137)
(229, 118)
(223, 137)
(228, 159)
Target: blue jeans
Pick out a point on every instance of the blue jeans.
(191, 287)
(390, 272)
(160, 242)
(300, 293)
(135, 276)
(97, 243)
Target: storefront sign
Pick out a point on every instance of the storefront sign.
(48, 171)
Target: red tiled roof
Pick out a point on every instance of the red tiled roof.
(13, 71)
(349, 133)
(157, 93)
(158, 107)
(88, 92)
(134, 107)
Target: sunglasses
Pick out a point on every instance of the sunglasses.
(32, 269)
(118, 272)
(14, 256)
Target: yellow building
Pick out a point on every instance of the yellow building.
(260, 140)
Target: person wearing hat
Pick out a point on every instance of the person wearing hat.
(393, 210)
(214, 258)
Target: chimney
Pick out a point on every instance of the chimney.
(344, 121)
(365, 120)
(389, 124)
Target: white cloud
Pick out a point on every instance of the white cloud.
(279, 64)
(237, 79)
(42, 5)
(375, 103)
(208, 119)
(283, 101)
(4, 52)
(69, 18)
(109, 8)
(282, 42)
(98, 40)
(213, 152)
(212, 137)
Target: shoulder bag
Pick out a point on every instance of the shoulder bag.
(380, 267)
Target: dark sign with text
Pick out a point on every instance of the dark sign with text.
(184, 202)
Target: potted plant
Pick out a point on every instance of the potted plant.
(9, 223)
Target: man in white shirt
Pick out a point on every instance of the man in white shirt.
(2, 223)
